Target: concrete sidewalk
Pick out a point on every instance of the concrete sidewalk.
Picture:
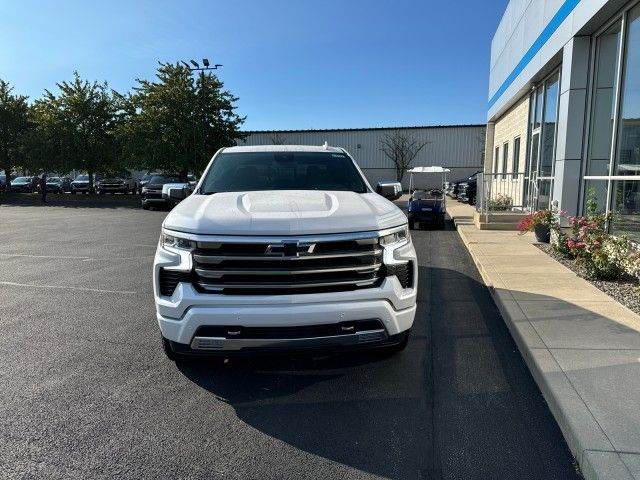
(582, 347)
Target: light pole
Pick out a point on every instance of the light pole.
(195, 67)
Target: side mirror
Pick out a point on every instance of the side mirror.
(175, 191)
(389, 190)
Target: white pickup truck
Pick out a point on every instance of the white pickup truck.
(283, 248)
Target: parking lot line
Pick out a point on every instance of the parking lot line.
(62, 287)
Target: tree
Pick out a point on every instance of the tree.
(14, 123)
(178, 121)
(401, 148)
(75, 128)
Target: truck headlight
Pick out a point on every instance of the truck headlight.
(398, 236)
(173, 241)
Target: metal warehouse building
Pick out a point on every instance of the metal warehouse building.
(564, 108)
(458, 147)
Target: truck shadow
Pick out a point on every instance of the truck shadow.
(405, 415)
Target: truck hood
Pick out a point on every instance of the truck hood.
(283, 212)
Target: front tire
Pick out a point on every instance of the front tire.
(412, 225)
(145, 206)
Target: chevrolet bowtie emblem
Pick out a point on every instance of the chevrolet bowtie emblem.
(290, 249)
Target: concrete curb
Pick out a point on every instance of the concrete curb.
(586, 439)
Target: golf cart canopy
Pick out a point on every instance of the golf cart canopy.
(429, 170)
(431, 177)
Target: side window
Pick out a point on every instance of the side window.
(505, 159)
(516, 157)
(496, 159)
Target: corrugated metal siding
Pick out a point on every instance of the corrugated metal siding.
(456, 147)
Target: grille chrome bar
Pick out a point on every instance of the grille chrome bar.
(200, 258)
(301, 271)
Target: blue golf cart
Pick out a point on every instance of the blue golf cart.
(427, 204)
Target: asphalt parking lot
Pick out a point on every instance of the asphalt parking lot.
(86, 391)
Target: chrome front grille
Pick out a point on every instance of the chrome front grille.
(288, 266)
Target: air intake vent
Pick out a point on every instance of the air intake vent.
(169, 280)
(404, 272)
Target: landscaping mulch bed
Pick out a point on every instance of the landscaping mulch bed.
(625, 290)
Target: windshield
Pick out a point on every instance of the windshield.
(53, 179)
(249, 171)
(82, 178)
(21, 179)
(161, 180)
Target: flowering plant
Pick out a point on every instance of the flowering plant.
(602, 256)
(541, 217)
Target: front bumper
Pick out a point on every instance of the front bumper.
(181, 315)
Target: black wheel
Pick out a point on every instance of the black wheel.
(73, 192)
(472, 201)
(145, 206)
(412, 225)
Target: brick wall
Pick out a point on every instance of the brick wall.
(509, 126)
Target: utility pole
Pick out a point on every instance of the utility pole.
(195, 67)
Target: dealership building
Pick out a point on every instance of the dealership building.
(564, 108)
(457, 147)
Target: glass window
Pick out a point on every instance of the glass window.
(538, 110)
(549, 127)
(516, 157)
(252, 171)
(535, 142)
(505, 159)
(595, 192)
(628, 152)
(626, 209)
(496, 159)
(603, 103)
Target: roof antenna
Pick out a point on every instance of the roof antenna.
(326, 145)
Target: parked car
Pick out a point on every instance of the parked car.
(65, 183)
(81, 183)
(22, 185)
(115, 185)
(152, 192)
(54, 185)
(453, 188)
(145, 180)
(283, 250)
(131, 182)
(193, 181)
(468, 190)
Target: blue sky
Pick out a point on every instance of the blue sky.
(294, 64)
